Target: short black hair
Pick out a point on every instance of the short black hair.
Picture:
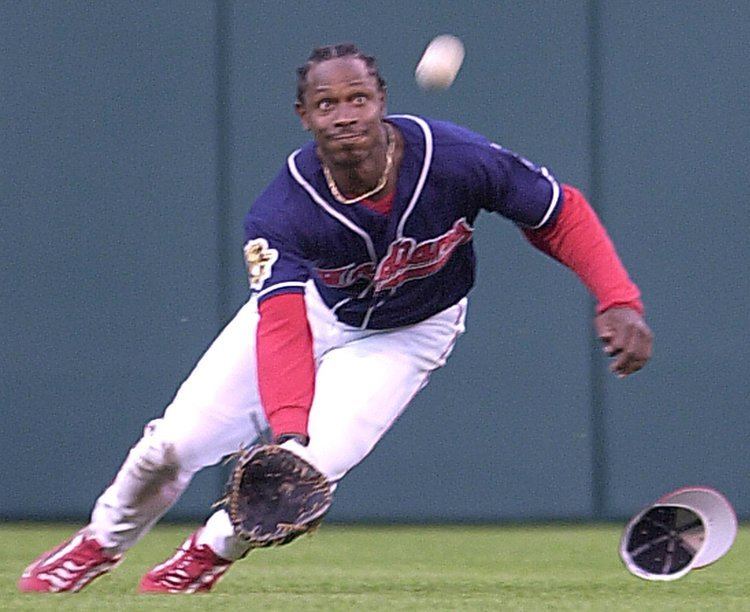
(321, 54)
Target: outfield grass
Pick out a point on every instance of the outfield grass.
(399, 568)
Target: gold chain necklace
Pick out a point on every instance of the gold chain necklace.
(381, 183)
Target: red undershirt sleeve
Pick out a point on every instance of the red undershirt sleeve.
(579, 241)
(286, 367)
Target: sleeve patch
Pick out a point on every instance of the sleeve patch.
(259, 259)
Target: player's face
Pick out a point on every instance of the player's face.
(343, 107)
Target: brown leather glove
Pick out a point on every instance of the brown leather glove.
(274, 496)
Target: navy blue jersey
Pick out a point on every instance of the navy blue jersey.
(382, 271)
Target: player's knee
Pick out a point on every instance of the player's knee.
(160, 458)
(155, 457)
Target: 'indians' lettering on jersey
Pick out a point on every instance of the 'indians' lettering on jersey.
(383, 271)
(405, 260)
(346, 276)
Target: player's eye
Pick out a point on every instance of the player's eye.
(325, 104)
(359, 99)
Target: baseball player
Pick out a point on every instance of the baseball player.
(359, 257)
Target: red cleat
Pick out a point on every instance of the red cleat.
(69, 567)
(193, 568)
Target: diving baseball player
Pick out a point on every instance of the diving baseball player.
(359, 256)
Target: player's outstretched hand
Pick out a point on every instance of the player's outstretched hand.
(627, 339)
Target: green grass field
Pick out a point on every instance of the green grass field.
(400, 568)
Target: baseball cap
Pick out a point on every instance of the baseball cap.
(688, 528)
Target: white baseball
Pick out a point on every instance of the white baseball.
(440, 63)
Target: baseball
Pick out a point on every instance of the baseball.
(440, 62)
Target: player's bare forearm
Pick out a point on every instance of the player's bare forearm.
(626, 338)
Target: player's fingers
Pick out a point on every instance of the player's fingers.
(642, 347)
(623, 357)
(614, 340)
(610, 349)
(609, 344)
(636, 352)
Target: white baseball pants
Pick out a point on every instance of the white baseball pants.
(364, 381)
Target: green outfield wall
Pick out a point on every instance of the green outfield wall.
(135, 135)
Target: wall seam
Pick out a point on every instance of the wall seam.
(599, 466)
(224, 245)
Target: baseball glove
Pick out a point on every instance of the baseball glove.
(275, 496)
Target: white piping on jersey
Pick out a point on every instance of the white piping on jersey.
(555, 198)
(340, 304)
(362, 294)
(280, 286)
(366, 320)
(422, 175)
(428, 148)
(320, 200)
(368, 314)
(327, 207)
(555, 188)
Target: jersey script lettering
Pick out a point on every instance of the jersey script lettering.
(405, 260)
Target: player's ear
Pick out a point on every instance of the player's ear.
(383, 102)
(299, 108)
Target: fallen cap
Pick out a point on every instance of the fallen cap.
(685, 529)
